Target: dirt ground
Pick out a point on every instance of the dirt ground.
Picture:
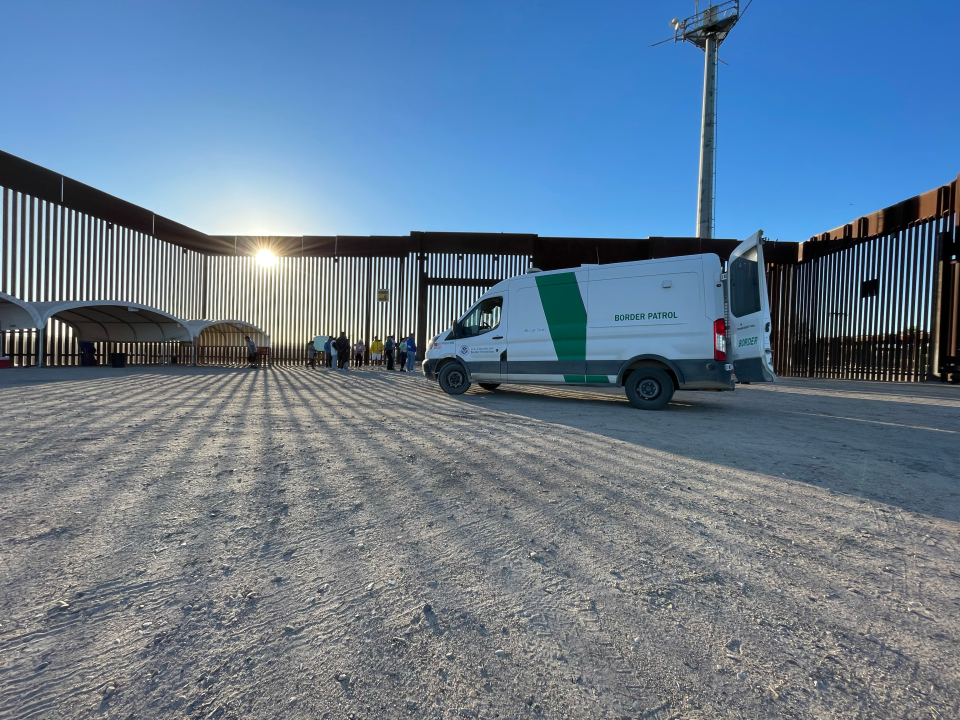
(217, 543)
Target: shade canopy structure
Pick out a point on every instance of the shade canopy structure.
(16, 314)
(114, 321)
(223, 342)
(226, 332)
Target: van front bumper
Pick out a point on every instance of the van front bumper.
(429, 369)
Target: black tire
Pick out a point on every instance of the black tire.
(489, 386)
(453, 379)
(649, 388)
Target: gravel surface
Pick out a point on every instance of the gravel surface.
(220, 543)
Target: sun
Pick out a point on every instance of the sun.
(266, 258)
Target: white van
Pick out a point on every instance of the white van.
(651, 327)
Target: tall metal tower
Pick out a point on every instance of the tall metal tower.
(706, 29)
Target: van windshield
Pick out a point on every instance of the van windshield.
(481, 319)
(745, 284)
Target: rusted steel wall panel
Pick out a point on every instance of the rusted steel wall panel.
(299, 298)
(872, 295)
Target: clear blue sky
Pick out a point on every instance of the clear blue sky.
(553, 117)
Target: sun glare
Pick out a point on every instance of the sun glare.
(266, 258)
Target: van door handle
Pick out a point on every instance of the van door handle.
(498, 337)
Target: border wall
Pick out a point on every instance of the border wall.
(873, 299)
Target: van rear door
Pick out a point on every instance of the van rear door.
(749, 326)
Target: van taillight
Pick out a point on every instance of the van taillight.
(720, 339)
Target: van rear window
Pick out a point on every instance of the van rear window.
(745, 284)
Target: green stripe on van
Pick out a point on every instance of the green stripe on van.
(565, 313)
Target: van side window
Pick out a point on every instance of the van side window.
(481, 319)
(745, 284)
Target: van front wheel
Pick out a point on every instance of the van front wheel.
(649, 388)
(453, 379)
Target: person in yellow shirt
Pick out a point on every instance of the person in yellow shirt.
(376, 351)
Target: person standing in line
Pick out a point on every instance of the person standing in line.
(333, 353)
(402, 354)
(326, 352)
(358, 352)
(411, 353)
(311, 356)
(343, 351)
(388, 349)
(376, 351)
(251, 351)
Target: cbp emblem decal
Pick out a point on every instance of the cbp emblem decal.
(464, 349)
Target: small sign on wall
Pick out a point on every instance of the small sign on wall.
(383, 296)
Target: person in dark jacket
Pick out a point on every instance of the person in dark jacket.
(328, 352)
(343, 351)
(388, 349)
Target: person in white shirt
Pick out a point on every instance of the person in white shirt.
(358, 351)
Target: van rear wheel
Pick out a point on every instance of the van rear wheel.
(489, 386)
(649, 388)
(453, 379)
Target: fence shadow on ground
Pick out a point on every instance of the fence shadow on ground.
(893, 443)
(281, 532)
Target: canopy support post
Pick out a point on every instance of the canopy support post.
(40, 346)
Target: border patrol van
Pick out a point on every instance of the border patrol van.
(651, 327)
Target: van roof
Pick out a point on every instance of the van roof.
(676, 258)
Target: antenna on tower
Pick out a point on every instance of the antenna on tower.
(706, 29)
